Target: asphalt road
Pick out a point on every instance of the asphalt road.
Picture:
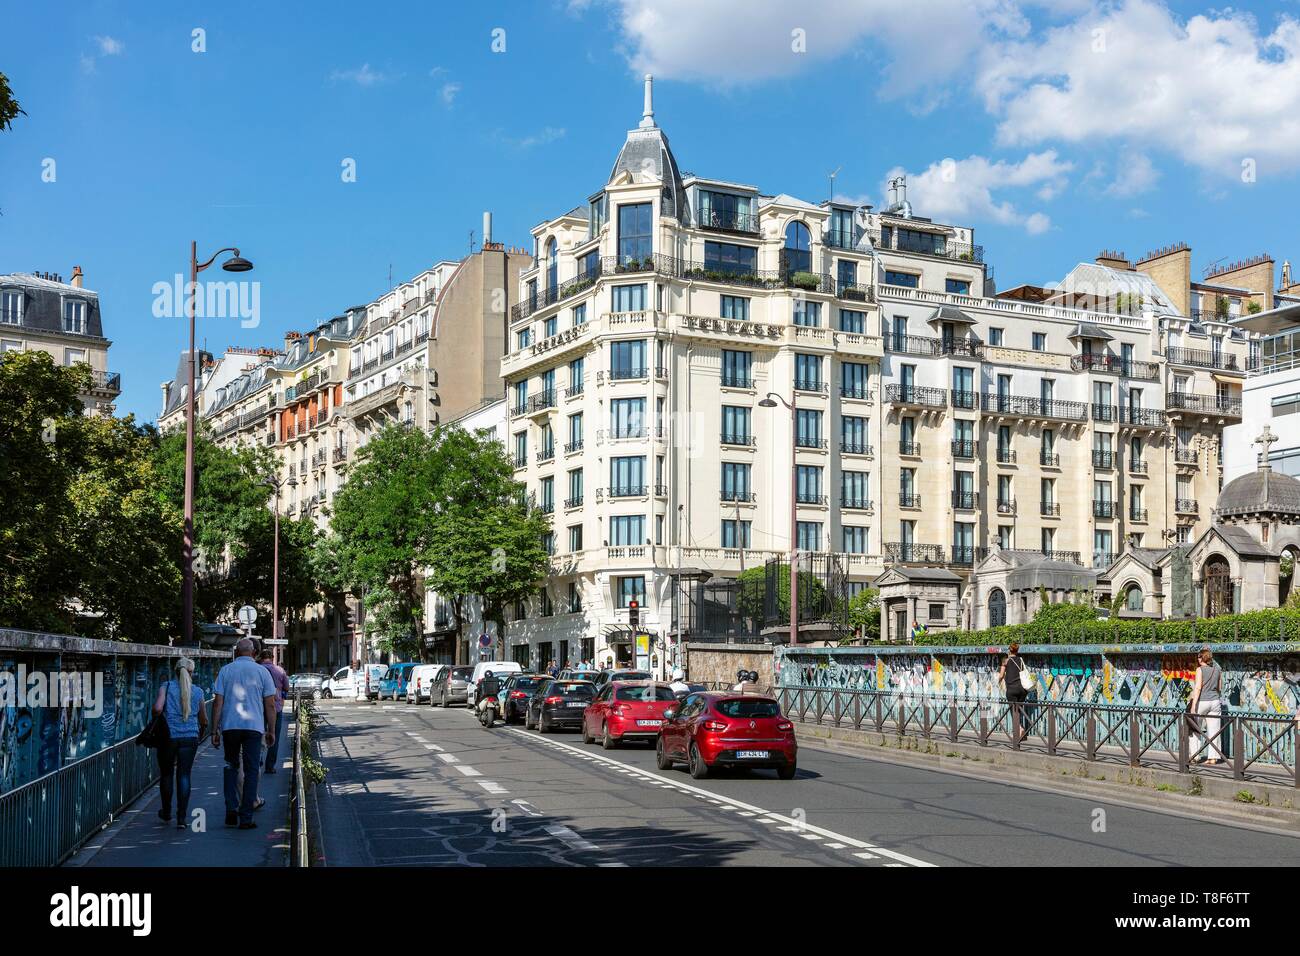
(424, 786)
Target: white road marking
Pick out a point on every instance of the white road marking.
(526, 807)
(432, 747)
(834, 846)
(865, 856)
(412, 733)
(901, 858)
(448, 758)
(571, 838)
(490, 787)
(467, 770)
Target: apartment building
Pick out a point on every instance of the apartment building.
(39, 310)
(700, 372)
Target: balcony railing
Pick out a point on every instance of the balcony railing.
(628, 373)
(521, 461)
(1103, 509)
(340, 453)
(910, 448)
(853, 292)
(1146, 417)
(965, 449)
(1185, 456)
(1205, 404)
(908, 500)
(941, 249)
(1137, 514)
(1105, 362)
(1103, 459)
(733, 494)
(965, 555)
(1071, 557)
(814, 385)
(734, 438)
(855, 503)
(902, 344)
(961, 399)
(1034, 407)
(737, 381)
(563, 290)
(854, 448)
(574, 502)
(627, 491)
(965, 500)
(106, 381)
(1103, 559)
(1104, 413)
(1202, 358)
(909, 552)
(1185, 506)
(1006, 507)
(546, 454)
(1049, 509)
(1049, 459)
(543, 401)
(1006, 456)
(571, 447)
(573, 390)
(809, 498)
(916, 395)
(727, 221)
(807, 441)
(854, 390)
(1137, 466)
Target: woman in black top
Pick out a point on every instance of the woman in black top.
(1010, 677)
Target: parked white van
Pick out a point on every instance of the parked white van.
(500, 669)
(419, 682)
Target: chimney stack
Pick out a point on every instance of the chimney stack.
(487, 229)
(76, 277)
(648, 112)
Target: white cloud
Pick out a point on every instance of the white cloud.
(547, 134)
(963, 190)
(1214, 90)
(362, 76)
(734, 42)
(1134, 174)
(448, 93)
(109, 46)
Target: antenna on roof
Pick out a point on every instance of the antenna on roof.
(1209, 269)
(471, 242)
(831, 196)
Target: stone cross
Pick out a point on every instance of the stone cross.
(1265, 442)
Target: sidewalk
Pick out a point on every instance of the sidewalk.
(139, 838)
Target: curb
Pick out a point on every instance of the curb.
(1201, 795)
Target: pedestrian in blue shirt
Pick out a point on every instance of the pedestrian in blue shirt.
(181, 704)
(242, 718)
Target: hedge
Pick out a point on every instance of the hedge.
(1274, 624)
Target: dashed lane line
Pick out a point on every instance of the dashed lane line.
(467, 770)
(493, 788)
(571, 839)
(901, 858)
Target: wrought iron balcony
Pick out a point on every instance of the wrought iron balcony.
(1116, 365)
(628, 373)
(1137, 514)
(1185, 506)
(735, 438)
(965, 500)
(855, 503)
(1103, 559)
(627, 491)
(908, 500)
(574, 502)
(542, 402)
(571, 447)
(727, 221)
(1202, 358)
(1185, 456)
(548, 507)
(807, 441)
(1049, 408)
(965, 555)
(736, 381)
(964, 399)
(573, 390)
(1103, 509)
(546, 454)
(1103, 459)
(1205, 404)
(965, 449)
(562, 290)
(840, 239)
(916, 395)
(1006, 456)
(1007, 507)
(939, 247)
(1137, 466)
(340, 453)
(1049, 509)
(1071, 557)
(910, 448)
(106, 381)
(810, 385)
(853, 292)
(1104, 412)
(908, 552)
(809, 498)
(855, 448)
(521, 461)
(1145, 417)
(519, 409)
(854, 390)
(734, 494)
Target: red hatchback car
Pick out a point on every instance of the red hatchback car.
(627, 710)
(727, 730)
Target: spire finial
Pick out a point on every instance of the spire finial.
(1265, 441)
(648, 112)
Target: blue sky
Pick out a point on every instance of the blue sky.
(1067, 127)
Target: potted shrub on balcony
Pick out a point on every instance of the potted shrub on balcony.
(804, 280)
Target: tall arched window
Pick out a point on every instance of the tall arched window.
(797, 255)
(1133, 598)
(1216, 578)
(997, 608)
(552, 264)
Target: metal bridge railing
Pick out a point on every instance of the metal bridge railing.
(298, 853)
(1263, 745)
(45, 821)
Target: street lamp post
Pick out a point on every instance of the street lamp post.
(771, 402)
(275, 560)
(236, 263)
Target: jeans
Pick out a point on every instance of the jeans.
(175, 762)
(273, 751)
(247, 743)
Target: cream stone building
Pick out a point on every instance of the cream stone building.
(934, 421)
(39, 311)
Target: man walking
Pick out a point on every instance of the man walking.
(242, 716)
(281, 681)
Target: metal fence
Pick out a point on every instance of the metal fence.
(1253, 745)
(298, 852)
(43, 822)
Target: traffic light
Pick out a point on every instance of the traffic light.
(633, 613)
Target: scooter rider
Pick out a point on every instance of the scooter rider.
(488, 688)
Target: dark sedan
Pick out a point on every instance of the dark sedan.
(559, 704)
(307, 685)
(517, 692)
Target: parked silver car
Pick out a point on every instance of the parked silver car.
(451, 686)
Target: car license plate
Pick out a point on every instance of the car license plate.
(751, 754)
(577, 703)
(648, 723)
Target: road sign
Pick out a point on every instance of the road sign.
(484, 640)
(275, 642)
(248, 615)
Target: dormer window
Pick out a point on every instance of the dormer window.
(74, 316)
(11, 306)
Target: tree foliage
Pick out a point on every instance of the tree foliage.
(864, 613)
(9, 108)
(753, 589)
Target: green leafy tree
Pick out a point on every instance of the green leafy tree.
(380, 531)
(753, 589)
(864, 613)
(9, 108)
(487, 538)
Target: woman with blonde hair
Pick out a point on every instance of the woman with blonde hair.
(181, 703)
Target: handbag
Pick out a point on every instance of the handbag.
(156, 733)
(1025, 675)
